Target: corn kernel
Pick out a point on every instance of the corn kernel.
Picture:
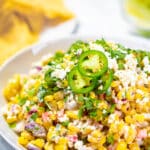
(41, 110)
(53, 116)
(92, 139)
(60, 104)
(27, 135)
(38, 142)
(58, 96)
(73, 129)
(130, 94)
(72, 114)
(39, 121)
(48, 98)
(101, 148)
(51, 133)
(115, 83)
(12, 88)
(87, 131)
(144, 89)
(62, 140)
(138, 96)
(65, 83)
(128, 119)
(121, 94)
(23, 141)
(134, 146)
(49, 146)
(121, 146)
(92, 95)
(60, 147)
(11, 119)
(102, 140)
(96, 133)
(130, 135)
(139, 117)
(116, 136)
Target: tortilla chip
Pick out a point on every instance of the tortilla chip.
(21, 22)
(18, 37)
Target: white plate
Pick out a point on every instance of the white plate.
(21, 63)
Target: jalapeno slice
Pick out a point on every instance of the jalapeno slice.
(106, 81)
(80, 84)
(92, 63)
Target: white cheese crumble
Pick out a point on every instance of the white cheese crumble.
(59, 73)
(31, 82)
(127, 77)
(79, 51)
(95, 46)
(143, 101)
(131, 62)
(112, 118)
(27, 104)
(79, 146)
(146, 64)
(63, 118)
(145, 61)
(143, 79)
(70, 104)
(19, 127)
(112, 63)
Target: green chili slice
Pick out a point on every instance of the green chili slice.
(93, 63)
(106, 81)
(79, 83)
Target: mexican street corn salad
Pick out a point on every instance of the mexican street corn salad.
(95, 96)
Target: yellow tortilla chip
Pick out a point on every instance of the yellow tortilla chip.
(49, 8)
(18, 37)
(21, 22)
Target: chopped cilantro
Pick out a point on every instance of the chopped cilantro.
(93, 113)
(120, 65)
(27, 108)
(31, 92)
(12, 125)
(89, 105)
(110, 139)
(48, 79)
(59, 55)
(65, 123)
(80, 112)
(41, 94)
(109, 111)
(34, 116)
(78, 45)
(117, 54)
(22, 101)
(32, 102)
(112, 108)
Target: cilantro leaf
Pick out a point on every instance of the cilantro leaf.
(65, 123)
(89, 105)
(22, 101)
(12, 125)
(31, 92)
(110, 139)
(34, 116)
(78, 45)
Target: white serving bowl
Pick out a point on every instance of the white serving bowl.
(21, 63)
